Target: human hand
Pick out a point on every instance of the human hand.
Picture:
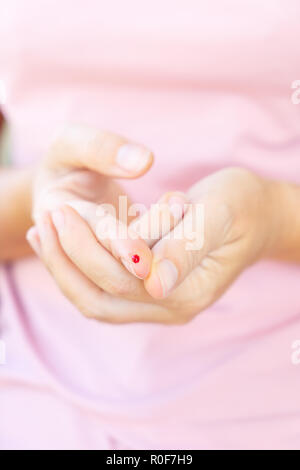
(239, 227)
(80, 166)
(237, 230)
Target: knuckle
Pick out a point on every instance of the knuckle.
(90, 311)
(87, 313)
(102, 315)
(68, 292)
(98, 309)
(184, 319)
(72, 250)
(93, 308)
(186, 313)
(113, 320)
(175, 317)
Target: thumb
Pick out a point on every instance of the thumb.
(183, 249)
(100, 151)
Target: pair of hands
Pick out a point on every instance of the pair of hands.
(171, 283)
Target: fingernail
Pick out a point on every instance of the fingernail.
(58, 219)
(176, 204)
(32, 237)
(168, 275)
(133, 158)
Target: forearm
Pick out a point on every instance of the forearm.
(15, 212)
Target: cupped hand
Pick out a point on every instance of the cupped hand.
(80, 168)
(229, 223)
(206, 239)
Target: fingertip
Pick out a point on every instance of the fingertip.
(31, 233)
(141, 261)
(32, 236)
(134, 160)
(136, 256)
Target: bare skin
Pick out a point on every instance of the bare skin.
(15, 212)
(246, 218)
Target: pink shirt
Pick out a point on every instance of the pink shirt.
(205, 84)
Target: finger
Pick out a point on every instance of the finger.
(84, 294)
(183, 249)
(73, 284)
(100, 151)
(161, 218)
(52, 190)
(122, 311)
(32, 236)
(81, 246)
(114, 235)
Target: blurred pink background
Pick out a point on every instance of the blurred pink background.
(205, 84)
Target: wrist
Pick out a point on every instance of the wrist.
(15, 212)
(271, 203)
(284, 238)
(258, 206)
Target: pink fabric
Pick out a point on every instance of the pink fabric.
(205, 84)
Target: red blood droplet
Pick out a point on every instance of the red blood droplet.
(135, 258)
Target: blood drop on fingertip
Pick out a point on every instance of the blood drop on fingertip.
(135, 259)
